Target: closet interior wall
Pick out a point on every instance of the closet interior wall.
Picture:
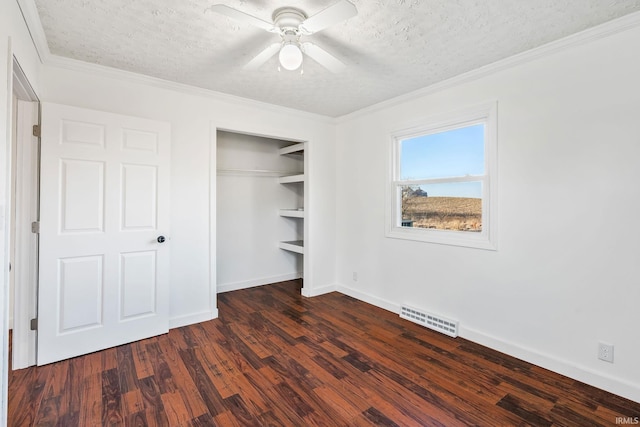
(249, 198)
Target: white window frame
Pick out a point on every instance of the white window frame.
(486, 239)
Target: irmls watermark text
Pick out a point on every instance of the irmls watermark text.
(627, 420)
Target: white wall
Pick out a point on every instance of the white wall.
(248, 199)
(565, 275)
(566, 272)
(14, 40)
(194, 119)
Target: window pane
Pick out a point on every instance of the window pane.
(456, 152)
(451, 206)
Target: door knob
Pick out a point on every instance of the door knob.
(161, 239)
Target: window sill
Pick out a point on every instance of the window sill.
(480, 240)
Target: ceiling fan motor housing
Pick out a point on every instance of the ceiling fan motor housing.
(288, 19)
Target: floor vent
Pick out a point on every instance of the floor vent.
(432, 321)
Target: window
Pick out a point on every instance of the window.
(443, 180)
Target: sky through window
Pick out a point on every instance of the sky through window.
(453, 153)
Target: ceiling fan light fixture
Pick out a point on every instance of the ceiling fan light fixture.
(291, 23)
(290, 56)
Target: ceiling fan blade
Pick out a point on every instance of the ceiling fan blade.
(242, 17)
(335, 13)
(262, 57)
(323, 57)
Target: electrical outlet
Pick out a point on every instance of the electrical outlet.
(355, 276)
(605, 352)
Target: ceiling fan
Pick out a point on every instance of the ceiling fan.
(291, 24)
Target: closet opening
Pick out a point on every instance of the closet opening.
(260, 210)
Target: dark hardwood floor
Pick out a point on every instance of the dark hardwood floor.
(274, 358)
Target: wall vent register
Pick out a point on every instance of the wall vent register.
(430, 320)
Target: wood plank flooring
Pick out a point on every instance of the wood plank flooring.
(275, 358)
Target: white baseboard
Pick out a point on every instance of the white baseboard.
(569, 369)
(190, 319)
(368, 298)
(318, 291)
(227, 287)
(584, 374)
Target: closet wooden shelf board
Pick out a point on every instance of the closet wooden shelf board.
(293, 149)
(291, 179)
(296, 246)
(292, 213)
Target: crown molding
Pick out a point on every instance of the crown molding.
(115, 73)
(34, 25)
(601, 31)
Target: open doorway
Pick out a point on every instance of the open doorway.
(24, 216)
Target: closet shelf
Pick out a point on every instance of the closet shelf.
(255, 172)
(293, 149)
(292, 213)
(291, 179)
(296, 246)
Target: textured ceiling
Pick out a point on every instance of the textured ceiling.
(391, 47)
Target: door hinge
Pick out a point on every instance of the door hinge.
(36, 130)
(34, 324)
(35, 227)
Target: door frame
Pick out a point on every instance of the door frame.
(25, 209)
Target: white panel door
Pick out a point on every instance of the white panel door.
(104, 256)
